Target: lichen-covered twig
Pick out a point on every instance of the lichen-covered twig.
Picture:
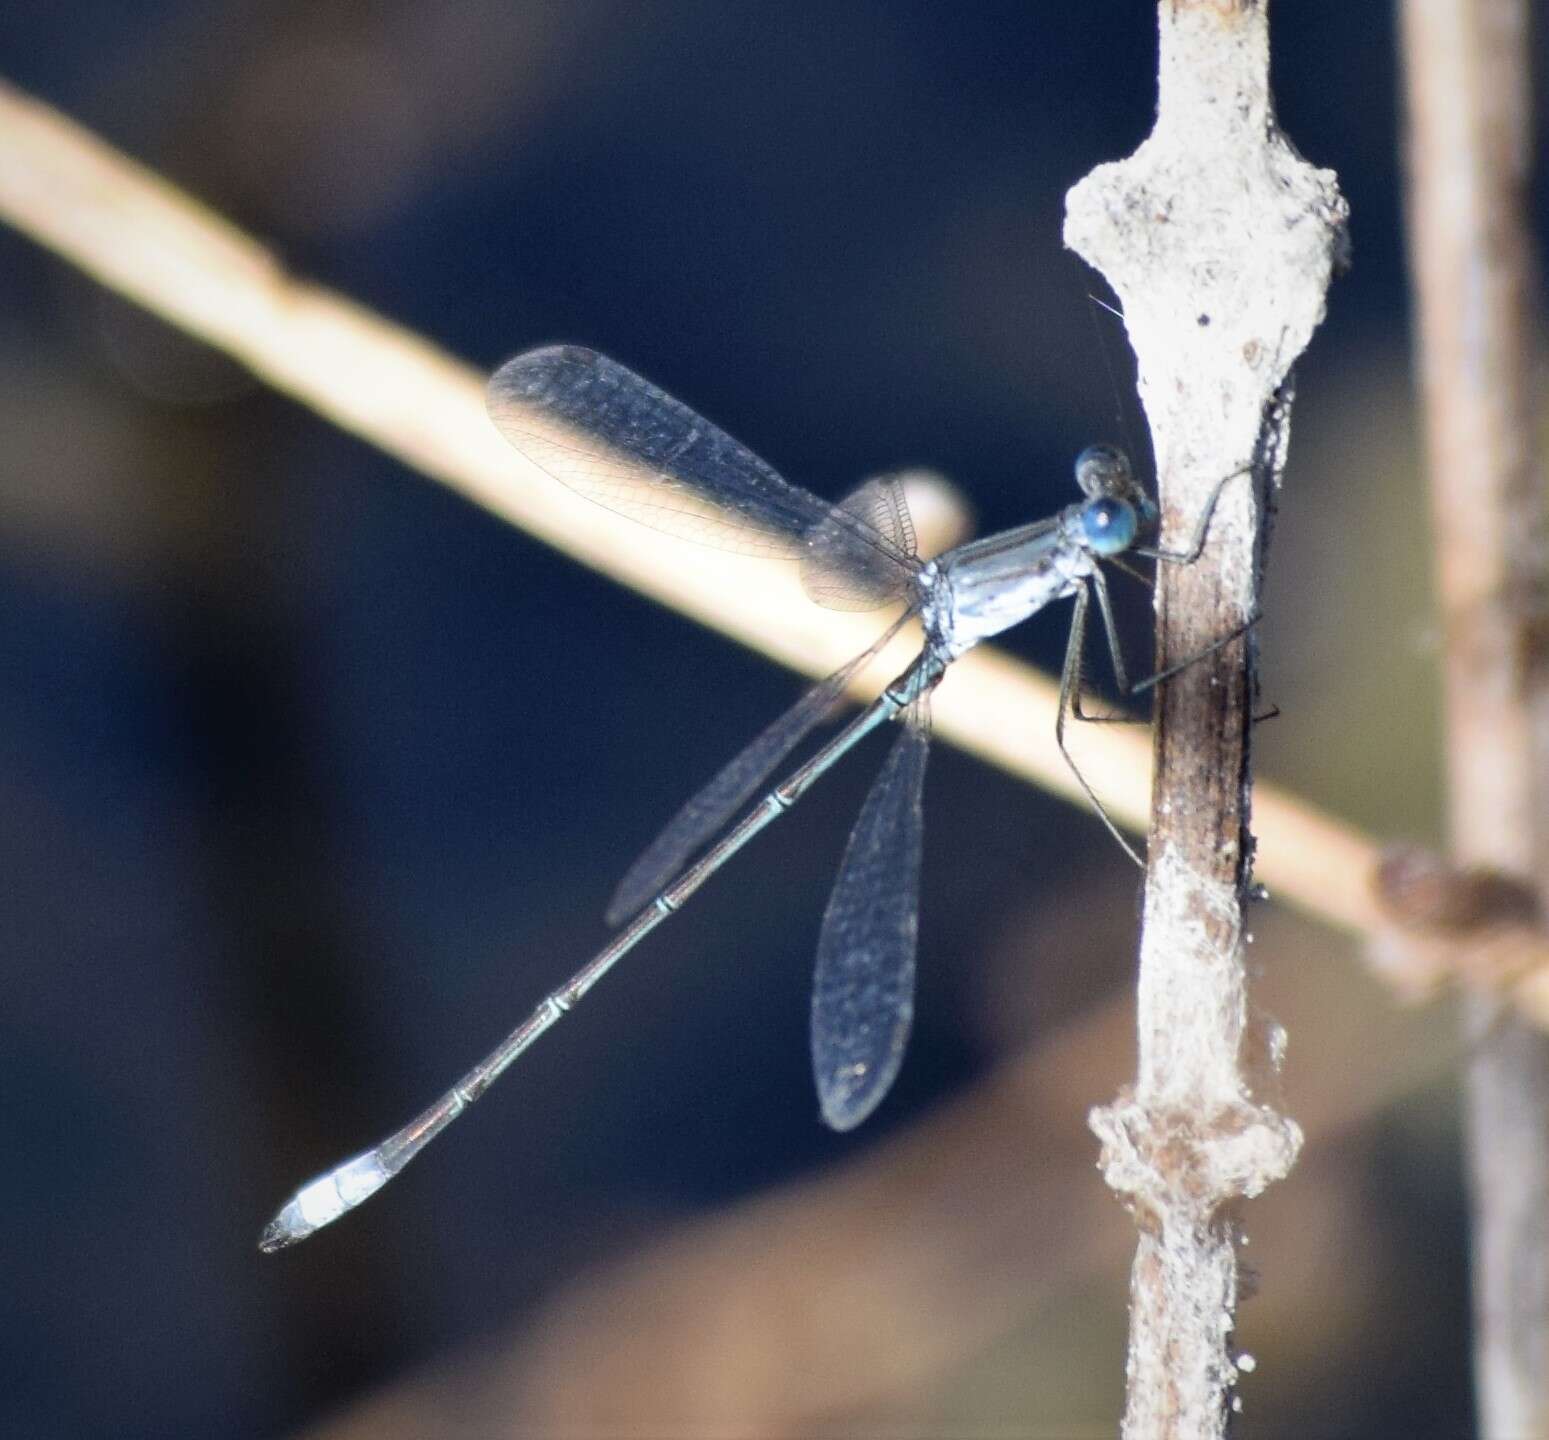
(1219, 241)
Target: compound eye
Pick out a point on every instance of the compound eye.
(1102, 469)
(1109, 525)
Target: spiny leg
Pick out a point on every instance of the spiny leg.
(1196, 546)
(1070, 686)
(1071, 672)
(1188, 556)
(1099, 584)
(1151, 681)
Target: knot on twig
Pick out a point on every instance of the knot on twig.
(1447, 923)
(1175, 1165)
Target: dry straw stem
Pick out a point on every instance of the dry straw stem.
(1220, 242)
(144, 238)
(1470, 124)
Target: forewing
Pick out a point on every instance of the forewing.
(615, 438)
(863, 989)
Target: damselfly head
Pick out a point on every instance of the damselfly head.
(1103, 473)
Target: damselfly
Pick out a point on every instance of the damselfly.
(606, 433)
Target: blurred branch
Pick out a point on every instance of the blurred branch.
(141, 236)
(1449, 922)
(1220, 242)
(1467, 72)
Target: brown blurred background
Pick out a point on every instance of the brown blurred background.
(313, 778)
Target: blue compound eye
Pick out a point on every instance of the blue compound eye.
(1109, 525)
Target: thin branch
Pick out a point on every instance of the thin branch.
(1219, 241)
(141, 236)
(1468, 87)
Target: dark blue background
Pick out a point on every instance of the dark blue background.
(313, 778)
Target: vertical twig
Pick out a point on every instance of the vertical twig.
(1470, 117)
(1219, 241)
